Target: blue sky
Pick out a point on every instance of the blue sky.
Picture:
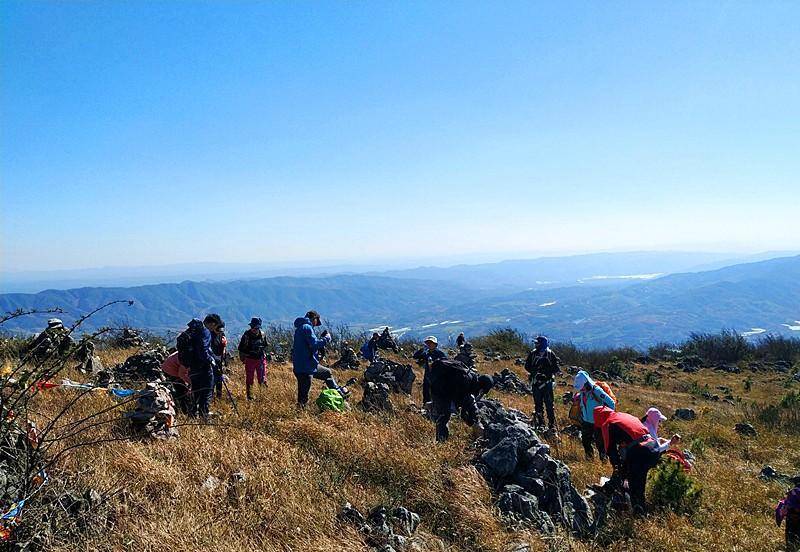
(139, 133)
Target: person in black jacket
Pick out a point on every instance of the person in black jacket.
(542, 364)
(253, 354)
(454, 385)
(425, 357)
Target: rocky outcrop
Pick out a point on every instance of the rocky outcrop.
(532, 487)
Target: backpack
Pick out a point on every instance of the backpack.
(444, 371)
(607, 388)
(575, 415)
(331, 399)
(365, 352)
(186, 352)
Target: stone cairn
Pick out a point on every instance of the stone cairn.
(376, 397)
(154, 413)
(399, 377)
(508, 381)
(145, 366)
(533, 488)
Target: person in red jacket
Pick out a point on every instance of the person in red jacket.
(630, 448)
(178, 375)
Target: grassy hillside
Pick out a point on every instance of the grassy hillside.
(301, 467)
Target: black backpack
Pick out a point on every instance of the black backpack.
(185, 345)
(448, 375)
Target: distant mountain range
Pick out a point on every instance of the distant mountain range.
(592, 300)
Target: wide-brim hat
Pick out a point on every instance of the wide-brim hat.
(255, 322)
(431, 338)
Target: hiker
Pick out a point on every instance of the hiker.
(460, 340)
(178, 376)
(219, 345)
(253, 354)
(651, 421)
(305, 359)
(348, 360)
(194, 351)
(369, 350)
(542, 364)
(454, 385)
(425, 357)
(589, 396)
(788, 509)
(54, 339)
(631, 449)
(386, 341)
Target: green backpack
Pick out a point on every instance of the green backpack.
(331, 399)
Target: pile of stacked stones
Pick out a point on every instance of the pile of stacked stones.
(533, 488)
(376, 397)
(154, 413)
(399, 377)
(508, 381)
(144, 366)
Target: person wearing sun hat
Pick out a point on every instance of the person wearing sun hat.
(425, 358)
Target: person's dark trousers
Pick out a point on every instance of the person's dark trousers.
(638, 461)
(443, 411)
(304, 383)
(792, 522)
(218, 380)
(426, 387)
(592, 436)
(202, 378)
(543, 398)
(180, 394)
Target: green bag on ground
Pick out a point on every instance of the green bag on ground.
(331, 399)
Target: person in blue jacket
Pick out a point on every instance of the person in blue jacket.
(305, 356)
(369, 350)
(201, 366)
(590, 395)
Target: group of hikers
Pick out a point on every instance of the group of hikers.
(449, 387)
(630, 443)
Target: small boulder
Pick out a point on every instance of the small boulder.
(685, 414)
(745, 429)
(502, 458)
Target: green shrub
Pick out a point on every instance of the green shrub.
(726, 346)
(697, 446)
(777, 348)
(505, 340)
(652, 379)
(790, 400)
(671, 488)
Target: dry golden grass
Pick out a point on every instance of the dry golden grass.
(302, 466)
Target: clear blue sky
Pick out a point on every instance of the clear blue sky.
(141, 133)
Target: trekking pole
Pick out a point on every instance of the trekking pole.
(227, 389)
(230, 396)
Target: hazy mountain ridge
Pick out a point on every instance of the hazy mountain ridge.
(755, 295)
